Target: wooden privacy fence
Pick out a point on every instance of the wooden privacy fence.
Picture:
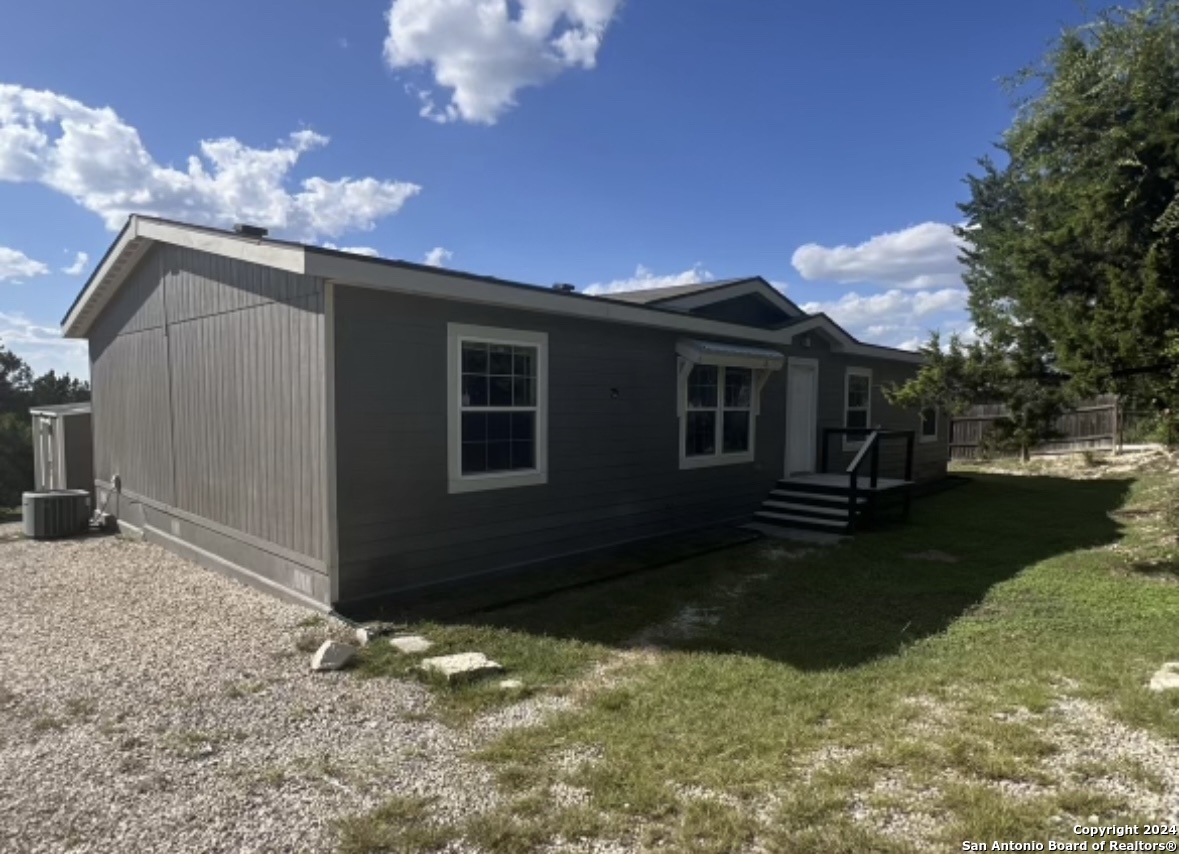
(1092, 425)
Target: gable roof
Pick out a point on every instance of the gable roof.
(690, 297)
(141, 232)
(647, 296)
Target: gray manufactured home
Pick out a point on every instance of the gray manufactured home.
(334, 427)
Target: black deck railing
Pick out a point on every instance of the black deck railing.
(870, 451)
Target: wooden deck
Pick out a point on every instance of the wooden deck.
(883, 484)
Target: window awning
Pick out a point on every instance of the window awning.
(732, 355)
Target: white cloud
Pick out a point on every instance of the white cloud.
(79, 265)
(99, 161)
(438, 256)
(355, 250)
(644, 279)
(896, 318)
(43, 347)
(15, 264)
(923, 256)
(484, 54)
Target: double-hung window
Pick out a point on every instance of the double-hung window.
(718, 416)
(857, 410)
(497, 409)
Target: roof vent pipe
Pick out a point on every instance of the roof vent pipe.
(564, 288)
(246, 230)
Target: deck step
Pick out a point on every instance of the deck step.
(841, 486)
(805, 509)
(811, 523)
(816, 497)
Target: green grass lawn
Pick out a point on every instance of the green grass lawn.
(770, 693)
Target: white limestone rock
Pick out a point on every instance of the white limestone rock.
(333, 655)
(410, 644)
(1166, 678)
(463, 667)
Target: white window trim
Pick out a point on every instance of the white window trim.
(718, 458)
(456, 334)
(937, 425)
(850, 444)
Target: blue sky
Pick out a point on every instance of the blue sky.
(604, 143)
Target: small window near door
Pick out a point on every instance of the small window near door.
(857, 404)
(929, 424)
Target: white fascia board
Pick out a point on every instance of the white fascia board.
(101, 285)
(845, 343)
(240, 248)
(722, 294)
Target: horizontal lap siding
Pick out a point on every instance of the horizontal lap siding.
(219, 411)
(613, 462)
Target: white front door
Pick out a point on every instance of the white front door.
(802, 401)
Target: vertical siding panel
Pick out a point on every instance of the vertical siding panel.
(268, 415)
(245, 320)
(257, 447)
(234, 392)
(285, 392)
(313, 360)
(203, 386)
(319, 486)
(302, 510)
(291, 393)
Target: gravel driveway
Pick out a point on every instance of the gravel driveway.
(150, 705)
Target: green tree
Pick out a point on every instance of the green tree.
(1019, 376)
(16, 380)
(1077, 236)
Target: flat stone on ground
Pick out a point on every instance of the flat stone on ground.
(1166, 678)
(333, 655)
(462, 667)
(410, 644)
(511, 684)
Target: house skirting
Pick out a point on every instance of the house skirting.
(264, 566)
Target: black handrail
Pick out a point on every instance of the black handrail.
(908, 435)
(869, 448)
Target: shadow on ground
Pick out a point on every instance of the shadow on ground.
(819, 608)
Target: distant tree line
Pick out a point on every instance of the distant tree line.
(21, 390)
(1071, 236)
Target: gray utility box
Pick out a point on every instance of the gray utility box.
(57, 513)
